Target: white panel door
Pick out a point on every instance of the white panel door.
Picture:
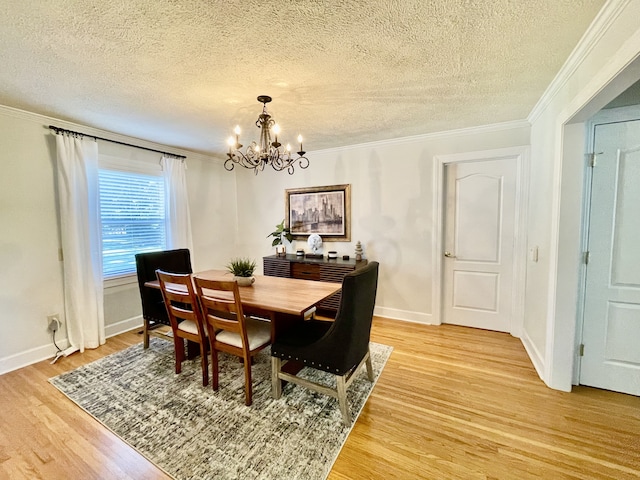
(611, 324)
(479, 243)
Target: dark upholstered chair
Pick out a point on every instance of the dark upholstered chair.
(340, 347)
(154, 311)
(185, 317)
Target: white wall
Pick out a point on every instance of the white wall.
(30, 270)
(391, 213)
(31, 278)
(391, 207)
(600, 68)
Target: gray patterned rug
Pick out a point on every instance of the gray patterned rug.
(192, 432)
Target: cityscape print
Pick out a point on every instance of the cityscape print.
(321, 212)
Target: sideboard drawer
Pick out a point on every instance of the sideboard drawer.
(305, 271)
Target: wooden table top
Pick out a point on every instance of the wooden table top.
(275, 294)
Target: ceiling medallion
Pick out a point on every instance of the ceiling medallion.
(258, 155)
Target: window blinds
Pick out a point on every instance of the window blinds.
(132, 212)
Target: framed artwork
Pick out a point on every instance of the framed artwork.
(322, 210)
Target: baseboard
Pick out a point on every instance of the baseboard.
(34, 355)
(534, 354)
(47, 352)
(123, 326)
(406, 315)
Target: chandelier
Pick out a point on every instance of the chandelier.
(258, 155)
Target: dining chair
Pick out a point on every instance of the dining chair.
(154, 313)
(229, 329)
(340, 347)
(185, 317)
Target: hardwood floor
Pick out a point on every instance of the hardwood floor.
(452, 403)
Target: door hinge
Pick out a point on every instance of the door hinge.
(581, 350)
(591, 158)
(585, 257)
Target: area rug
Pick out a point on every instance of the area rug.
(191, 432)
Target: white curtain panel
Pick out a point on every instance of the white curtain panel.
(78, 190)
(178, 216)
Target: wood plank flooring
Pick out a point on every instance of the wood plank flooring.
(452, 403)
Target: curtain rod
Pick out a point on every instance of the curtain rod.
(64, 130)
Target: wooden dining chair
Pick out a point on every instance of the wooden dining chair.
(185, 317)
(229, 329)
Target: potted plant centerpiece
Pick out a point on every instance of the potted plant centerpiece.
(281, 232)
(242, 270)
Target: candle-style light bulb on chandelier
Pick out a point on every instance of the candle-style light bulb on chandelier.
(258, 155)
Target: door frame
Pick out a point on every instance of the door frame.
(520, 155)
(603, 117)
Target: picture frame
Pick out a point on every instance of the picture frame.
(323, 210)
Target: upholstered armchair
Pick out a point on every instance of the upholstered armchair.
(340, 347)
(154, 311)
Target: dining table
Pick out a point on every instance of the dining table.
(284, 301)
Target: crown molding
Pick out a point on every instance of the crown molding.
(481, 129)
(603, 21)
(46, 120)
(89, 131)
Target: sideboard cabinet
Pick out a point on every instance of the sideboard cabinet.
(318, 269)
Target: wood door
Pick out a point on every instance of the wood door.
(611, 320)
(478, 268)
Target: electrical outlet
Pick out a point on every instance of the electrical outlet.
(53, 322)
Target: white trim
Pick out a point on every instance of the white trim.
(47, 352)
(521, 155)
(46, 121)
(603, 21)
(481, 129)
(124, 326)
(559, 369)
(405, 315)
(534, 354)
(114, 284)
(31, 356)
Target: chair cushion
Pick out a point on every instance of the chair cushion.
(188, 326)
(258, 334)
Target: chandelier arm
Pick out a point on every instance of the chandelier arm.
(258, 155)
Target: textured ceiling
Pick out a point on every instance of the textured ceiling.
(183, 73)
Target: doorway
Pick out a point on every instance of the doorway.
(611, 288)
(479, 250)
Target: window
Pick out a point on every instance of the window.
(132, 214)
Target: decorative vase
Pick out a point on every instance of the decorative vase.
(244, 281)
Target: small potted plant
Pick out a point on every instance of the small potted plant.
(242, 270)
(281, 232)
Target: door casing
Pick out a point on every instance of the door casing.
(520, 155)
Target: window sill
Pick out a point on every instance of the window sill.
(114, 282)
